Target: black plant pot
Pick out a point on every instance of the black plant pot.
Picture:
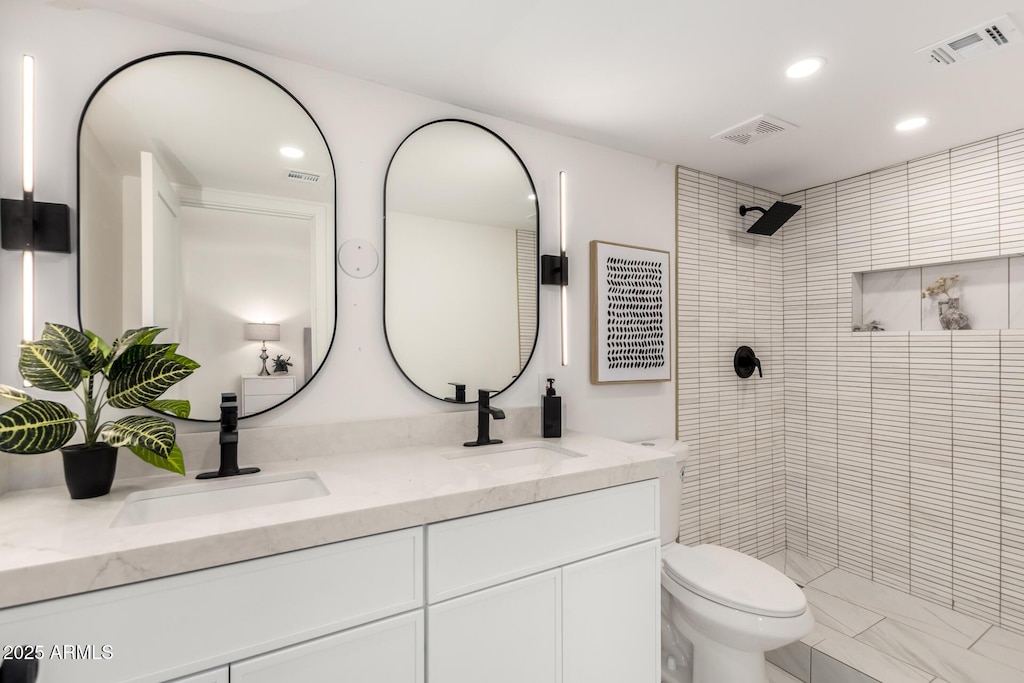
(89, 470)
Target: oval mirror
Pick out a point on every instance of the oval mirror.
(460, 260)
(206, 205)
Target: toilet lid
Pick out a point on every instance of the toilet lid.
(735, 580)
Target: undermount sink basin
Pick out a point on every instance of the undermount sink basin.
(505, 456)
(224, 495)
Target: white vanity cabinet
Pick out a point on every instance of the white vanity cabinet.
(169, 628)
(562, 591)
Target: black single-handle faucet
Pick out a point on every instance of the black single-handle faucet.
(483, 419)
(228, 441)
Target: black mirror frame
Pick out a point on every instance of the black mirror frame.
(78, 203)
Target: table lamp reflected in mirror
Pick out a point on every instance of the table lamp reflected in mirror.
(263, 332)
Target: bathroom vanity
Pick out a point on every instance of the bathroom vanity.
(540, 570)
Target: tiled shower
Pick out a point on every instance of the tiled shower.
(897, 455)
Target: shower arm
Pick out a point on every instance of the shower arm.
(745, 209)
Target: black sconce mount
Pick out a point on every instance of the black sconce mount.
(554, 270)
(28, 225)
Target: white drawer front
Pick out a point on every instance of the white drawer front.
(471, 553)
(166, 628)
(270, 386)
(388, 651)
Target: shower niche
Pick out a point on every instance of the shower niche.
(989, 292)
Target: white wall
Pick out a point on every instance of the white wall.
(240, 268)
(449, 273)
(613, 196)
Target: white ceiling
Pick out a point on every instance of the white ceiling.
(658, 77)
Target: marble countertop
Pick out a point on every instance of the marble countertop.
(51, 546)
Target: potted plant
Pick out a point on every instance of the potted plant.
(129, 373)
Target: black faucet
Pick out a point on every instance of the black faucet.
(228, 441)
(483, 420)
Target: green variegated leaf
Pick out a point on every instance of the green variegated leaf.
(137, 354)
(74, 342)
(174, 462)
(177, 408)
(143, 335)
(96, 342)
(46, 368)
(144, 382)
(13, 394)
(148, 431)
(36, 427)
(184, 360)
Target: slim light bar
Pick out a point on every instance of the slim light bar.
(565, 289)
(28, 184)
(27, 123)
(28, 296)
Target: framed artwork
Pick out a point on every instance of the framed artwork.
(629, 314)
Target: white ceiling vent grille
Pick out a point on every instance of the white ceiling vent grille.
(755, 130)
(976, 42)
(303, 176)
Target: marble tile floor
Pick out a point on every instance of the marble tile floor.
(867, 632)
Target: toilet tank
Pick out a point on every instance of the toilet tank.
(671, 485)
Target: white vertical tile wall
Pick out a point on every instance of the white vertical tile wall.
(526, 272)
(794, 311)
(928, 471)
(1011, 193)
(1011, 404)
(729, 294)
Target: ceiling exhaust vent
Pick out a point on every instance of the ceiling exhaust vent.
(303, 176)
(755, 130)
(976, 42)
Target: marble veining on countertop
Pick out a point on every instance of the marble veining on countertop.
(51, 546)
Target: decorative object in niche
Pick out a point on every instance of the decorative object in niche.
(872, 326)
(192, 217)
(629, 314)
(281, 364)
(130, 373)
(460, 266)
(950, 315)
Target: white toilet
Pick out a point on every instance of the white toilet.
(729, 607)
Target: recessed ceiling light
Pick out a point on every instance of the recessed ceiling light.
(532, 197)
(292, 152)
(805, 67)
(911, 124)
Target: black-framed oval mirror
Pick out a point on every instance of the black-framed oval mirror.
(460, 259)
(206, 205)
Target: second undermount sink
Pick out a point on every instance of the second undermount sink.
(508, 455)
(225, 495)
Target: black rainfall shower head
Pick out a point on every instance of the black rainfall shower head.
(773, 219)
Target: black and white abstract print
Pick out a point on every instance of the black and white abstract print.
(635, 325)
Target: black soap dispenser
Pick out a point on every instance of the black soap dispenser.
(552, 409)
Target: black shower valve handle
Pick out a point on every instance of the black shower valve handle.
(744, 361)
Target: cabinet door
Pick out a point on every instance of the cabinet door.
(610, 617)
(506, 634)
(212, 676)
(389, 651)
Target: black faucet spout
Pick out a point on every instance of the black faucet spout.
(228, 441)
(485, 411)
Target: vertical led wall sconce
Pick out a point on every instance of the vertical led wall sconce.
(25, 224)
(554, 270)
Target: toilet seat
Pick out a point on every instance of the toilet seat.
(733, 579)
